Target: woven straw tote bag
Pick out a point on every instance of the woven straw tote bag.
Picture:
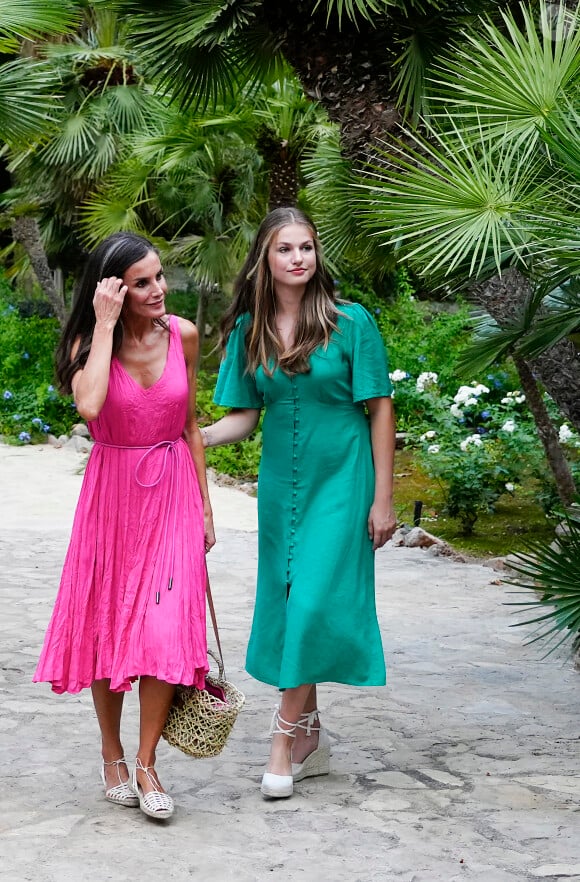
(200, 720)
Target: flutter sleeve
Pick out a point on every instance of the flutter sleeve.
(369, 360)
(235, 386)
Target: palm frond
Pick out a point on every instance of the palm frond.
(28, 100)
(100, 218)
(560, 318)
(353, 9)
(490, 343)
(513, 81)
(453, 205)
(553, 572)
(31, 19)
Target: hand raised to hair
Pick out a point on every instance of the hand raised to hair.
(108, 301)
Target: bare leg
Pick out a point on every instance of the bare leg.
(292, 705)
(304, 744)
(155, 697)
(109, 707)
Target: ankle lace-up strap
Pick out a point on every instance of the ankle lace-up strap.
(276, 728)
(306, 721)
(117, 763)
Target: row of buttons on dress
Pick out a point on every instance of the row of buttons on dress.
(296, 416)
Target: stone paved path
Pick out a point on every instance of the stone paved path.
(466, 767)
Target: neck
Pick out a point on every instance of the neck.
(136, 330)
(288, 301)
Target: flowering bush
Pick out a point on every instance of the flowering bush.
(30, 406)
(477, 443)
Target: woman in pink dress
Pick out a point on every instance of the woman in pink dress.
(131, 602)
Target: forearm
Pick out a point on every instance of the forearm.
(90, 385)
(383, 439)
(194, 442)
(234, 426)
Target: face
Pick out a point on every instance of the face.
(291, 256)
(146, 287)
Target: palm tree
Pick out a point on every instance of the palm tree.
(365, 61)
(480, 199)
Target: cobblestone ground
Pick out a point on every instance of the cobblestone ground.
(465, 767)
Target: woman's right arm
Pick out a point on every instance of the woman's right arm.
(91, 382)
(234, 426)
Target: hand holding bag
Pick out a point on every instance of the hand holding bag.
(200, 720)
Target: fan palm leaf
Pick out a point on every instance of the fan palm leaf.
(552, 571)
(31, 19)
(453, 204)
(513, 82)
(28, 100)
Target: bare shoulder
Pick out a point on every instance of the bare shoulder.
(189, 339)
(187, 330)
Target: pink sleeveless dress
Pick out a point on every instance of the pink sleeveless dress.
(131, 600)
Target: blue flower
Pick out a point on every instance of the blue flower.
(46, 428)
(25, 355)
(485, 414)
(50, 388)
(481, 431)
(377, 311)
(422, 358)
(16, 416)
(7, 395)
(37, 422)
(73, 405)
(24, 437)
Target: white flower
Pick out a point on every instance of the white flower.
(398, 375)
(506, 400)
(455, 411)
(471, 402)
(565, 433)
(462, 394)
(430, 434)
(427, 378)
(480, 389)
(508, 426)
(510, 487)
(433, 448)
(473, 439)
(519, 399)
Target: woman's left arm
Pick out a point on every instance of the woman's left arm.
(192, 435)
(382, 520)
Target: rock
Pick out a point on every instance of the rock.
(81, 430)
(78, 444)
(398, 537)
(419, 538)
(400, 440)
(53, 441)
(61, 440)
(495, 563)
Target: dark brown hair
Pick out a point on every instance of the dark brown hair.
(111, 258)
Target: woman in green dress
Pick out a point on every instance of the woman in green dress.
(318, 369)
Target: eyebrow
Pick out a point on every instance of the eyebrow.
(305, 242)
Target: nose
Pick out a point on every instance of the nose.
(297, 256)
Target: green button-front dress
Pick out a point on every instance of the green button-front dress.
(315, 618)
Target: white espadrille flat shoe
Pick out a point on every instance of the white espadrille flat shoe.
(121, 793)
(278, 786)
(155, 803)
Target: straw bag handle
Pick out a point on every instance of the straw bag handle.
(214, 620)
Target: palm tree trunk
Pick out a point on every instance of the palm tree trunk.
(27, 232)
(202, 299)
(504, 298)
(548, 436)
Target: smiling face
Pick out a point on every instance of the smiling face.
(292, 256)
(146, 288)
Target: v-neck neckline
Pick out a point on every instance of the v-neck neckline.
(158, 380)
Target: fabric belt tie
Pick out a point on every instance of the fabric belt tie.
(169, 464)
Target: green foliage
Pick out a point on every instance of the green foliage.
(241, 460)
(29, 404)
(553, 572)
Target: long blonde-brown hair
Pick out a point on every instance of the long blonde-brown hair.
(254, 295)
